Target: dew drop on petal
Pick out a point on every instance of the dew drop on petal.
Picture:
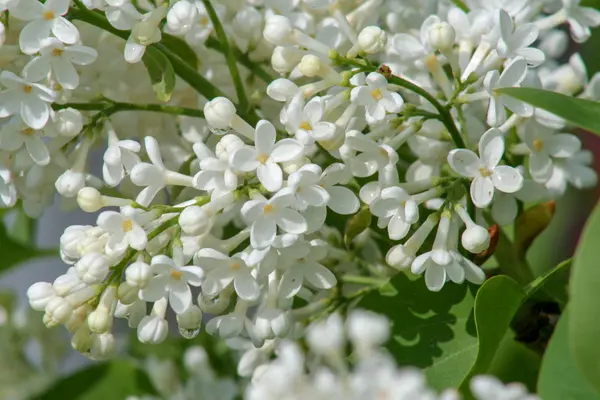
(219, 132)
(189, 333)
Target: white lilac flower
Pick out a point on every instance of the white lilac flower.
(300, 263)
(265, 156)
(216, 175)
(575, 170)
(124, 230)
(516, 42)
(305, 184)
(16, 134)
(341, 199)
(58, 59)
(376, 98)
(304, 121)
(512, 76)
(173, 280)
(27, 99)
(119, 159)
(264, 216)
(484, 169)
(396, 211)
(43, 18)
(155, 176)
(222, 270)
(439, 264)
(545, 146)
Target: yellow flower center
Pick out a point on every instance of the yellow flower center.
(27, 88)
(376, 94)
(57, 52)
(538, 145)
(127, 225)
(268, 209)
(175, 274)
(485, 172)
(262, 158)
(306, 126)
(204, 21)
(48, 15)
(28, 131)
(236, 265)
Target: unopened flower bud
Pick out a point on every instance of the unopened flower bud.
(93, 268)
(152, 329)
(127, 294)
(182, 17)
(219, 113)
(190, 319)
(103, 346)
(372, 39)
(39, 294)
(310, 65)
(65, 283)
(68, 122)
(70, 183)
(99, 320)
(89, 199)
(441, 36)
(278, 30)
(195, 358)
(399, 257)
(475, 239)
(285, 59)
(82, 340)
(227, 146)
(195, 220)
(138, 275)
(58, 311)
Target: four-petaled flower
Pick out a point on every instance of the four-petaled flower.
(484, 169)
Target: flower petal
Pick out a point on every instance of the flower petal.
(464, 162)
(540, 167)
(270, 175)
(286, 150)
(262, 233)
(244, 159)
(265, 137)
(482, 191)
(342, 200)
(435, 277)
(291, 221)
(491, 148)
(562, 145)
(507, 179)
(245, 286)
(156, 289)
(180, 296)
(319, 276)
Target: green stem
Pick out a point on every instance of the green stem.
(181, 68)
(108, 108)
(229, 56)
(242, 58)
(445, 116)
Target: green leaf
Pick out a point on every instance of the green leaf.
(432, 331)
(112, 380)
(515, 362)
(356, 225)
(530, 224)
(560, 377)
(584, 306)
(181, 48)
(162, 75)
(579, 112)
(497, 301)
(553, 284)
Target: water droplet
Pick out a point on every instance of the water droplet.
(189, 333)
(219, 132)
